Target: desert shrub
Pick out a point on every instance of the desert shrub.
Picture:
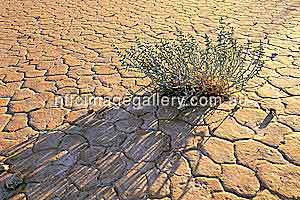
(181, 66)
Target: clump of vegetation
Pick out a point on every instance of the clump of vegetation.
(182, 67)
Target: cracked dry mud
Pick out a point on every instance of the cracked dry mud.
(52, 48)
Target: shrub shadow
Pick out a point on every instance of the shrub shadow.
(117, 153)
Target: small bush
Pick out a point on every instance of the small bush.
(182, 67)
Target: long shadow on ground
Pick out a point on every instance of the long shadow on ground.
(122, 153)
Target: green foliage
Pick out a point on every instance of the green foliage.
(182, 67)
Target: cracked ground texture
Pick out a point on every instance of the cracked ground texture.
(52, 48)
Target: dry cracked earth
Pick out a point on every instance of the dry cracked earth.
(54, 48)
